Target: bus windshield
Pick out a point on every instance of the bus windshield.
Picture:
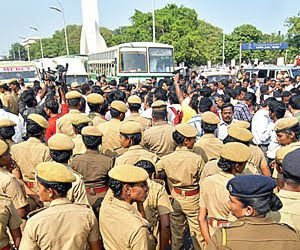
(17, 74)
(133, 60)
(161, 60)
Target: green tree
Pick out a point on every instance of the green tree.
(17, 52)
(293, 35)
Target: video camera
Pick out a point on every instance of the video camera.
(58, 76)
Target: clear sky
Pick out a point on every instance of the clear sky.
(16, 16)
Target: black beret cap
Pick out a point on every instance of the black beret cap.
(291, 166)
(251, 186)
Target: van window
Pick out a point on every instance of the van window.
(272, 74)
(263, 73)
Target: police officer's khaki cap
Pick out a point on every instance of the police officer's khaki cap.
(130, 127)
(54, 172)
(12, 80)
(285, 123)
(74, 85)
(80, 119)
(282, 152)
(92, 131)
(40, 120)
(210, 118)
(95, 98)
(7, 123)
(236, 152)
(119, 105)
(134, 99)
(3, 147)
(186, 130)
(73, 95)
(241, 124)
(128, 174)
(241, 134)
(159, 105)
(60, 142)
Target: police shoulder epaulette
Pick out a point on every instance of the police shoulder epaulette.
(159, 181)
(288, 226)
(36, 211)
(232, 224)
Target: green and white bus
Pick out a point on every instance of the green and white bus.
(138, 60)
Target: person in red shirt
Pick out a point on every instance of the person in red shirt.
(51, 108)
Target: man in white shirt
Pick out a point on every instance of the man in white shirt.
(19, 128)
(227, 119)
(260, 123)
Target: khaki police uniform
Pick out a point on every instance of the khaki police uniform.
(158, 138)
(254, 233)
(79, 148)
(97, 120)
(135, 117)
(210, 168)
(64, 123)
(156, 205)
(210, 145)
(10, 102)
(121, 225)
(289, 213)
(27, 155)
(94, 168)
(10, 186)
(183, 169)
(61, 226)
(92, 115)
(9, 218)
(256, 160)
(111, 136)
(217, 205)
(134, 154)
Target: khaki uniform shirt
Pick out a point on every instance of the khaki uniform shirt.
(135, 117)
(111, 136)
(158, 139)
(134, 154)
(256, 160)
(64, 123)
(211, 145)
(28, 154)
(210, 168)
(61, 226)
(79, 148)
(122, 226)
(157, 202)
(254, 233)
(98, 120)
(10, 102)
(10, 186)
(290, 212)
(77, 193)
(217, 205)
(9, 218)
(183, 168)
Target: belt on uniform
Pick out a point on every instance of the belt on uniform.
(97, 190)
(7, 247)
(186, 193)
(29, 184)
(219, 222)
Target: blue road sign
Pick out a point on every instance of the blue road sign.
(264, 46)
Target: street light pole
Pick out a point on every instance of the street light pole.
(27, 48)
(153, 19)
(61, 10)
(36, 29)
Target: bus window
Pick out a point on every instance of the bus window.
(272, 74)
(262, 73)
(161, 60)
(133, 60)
